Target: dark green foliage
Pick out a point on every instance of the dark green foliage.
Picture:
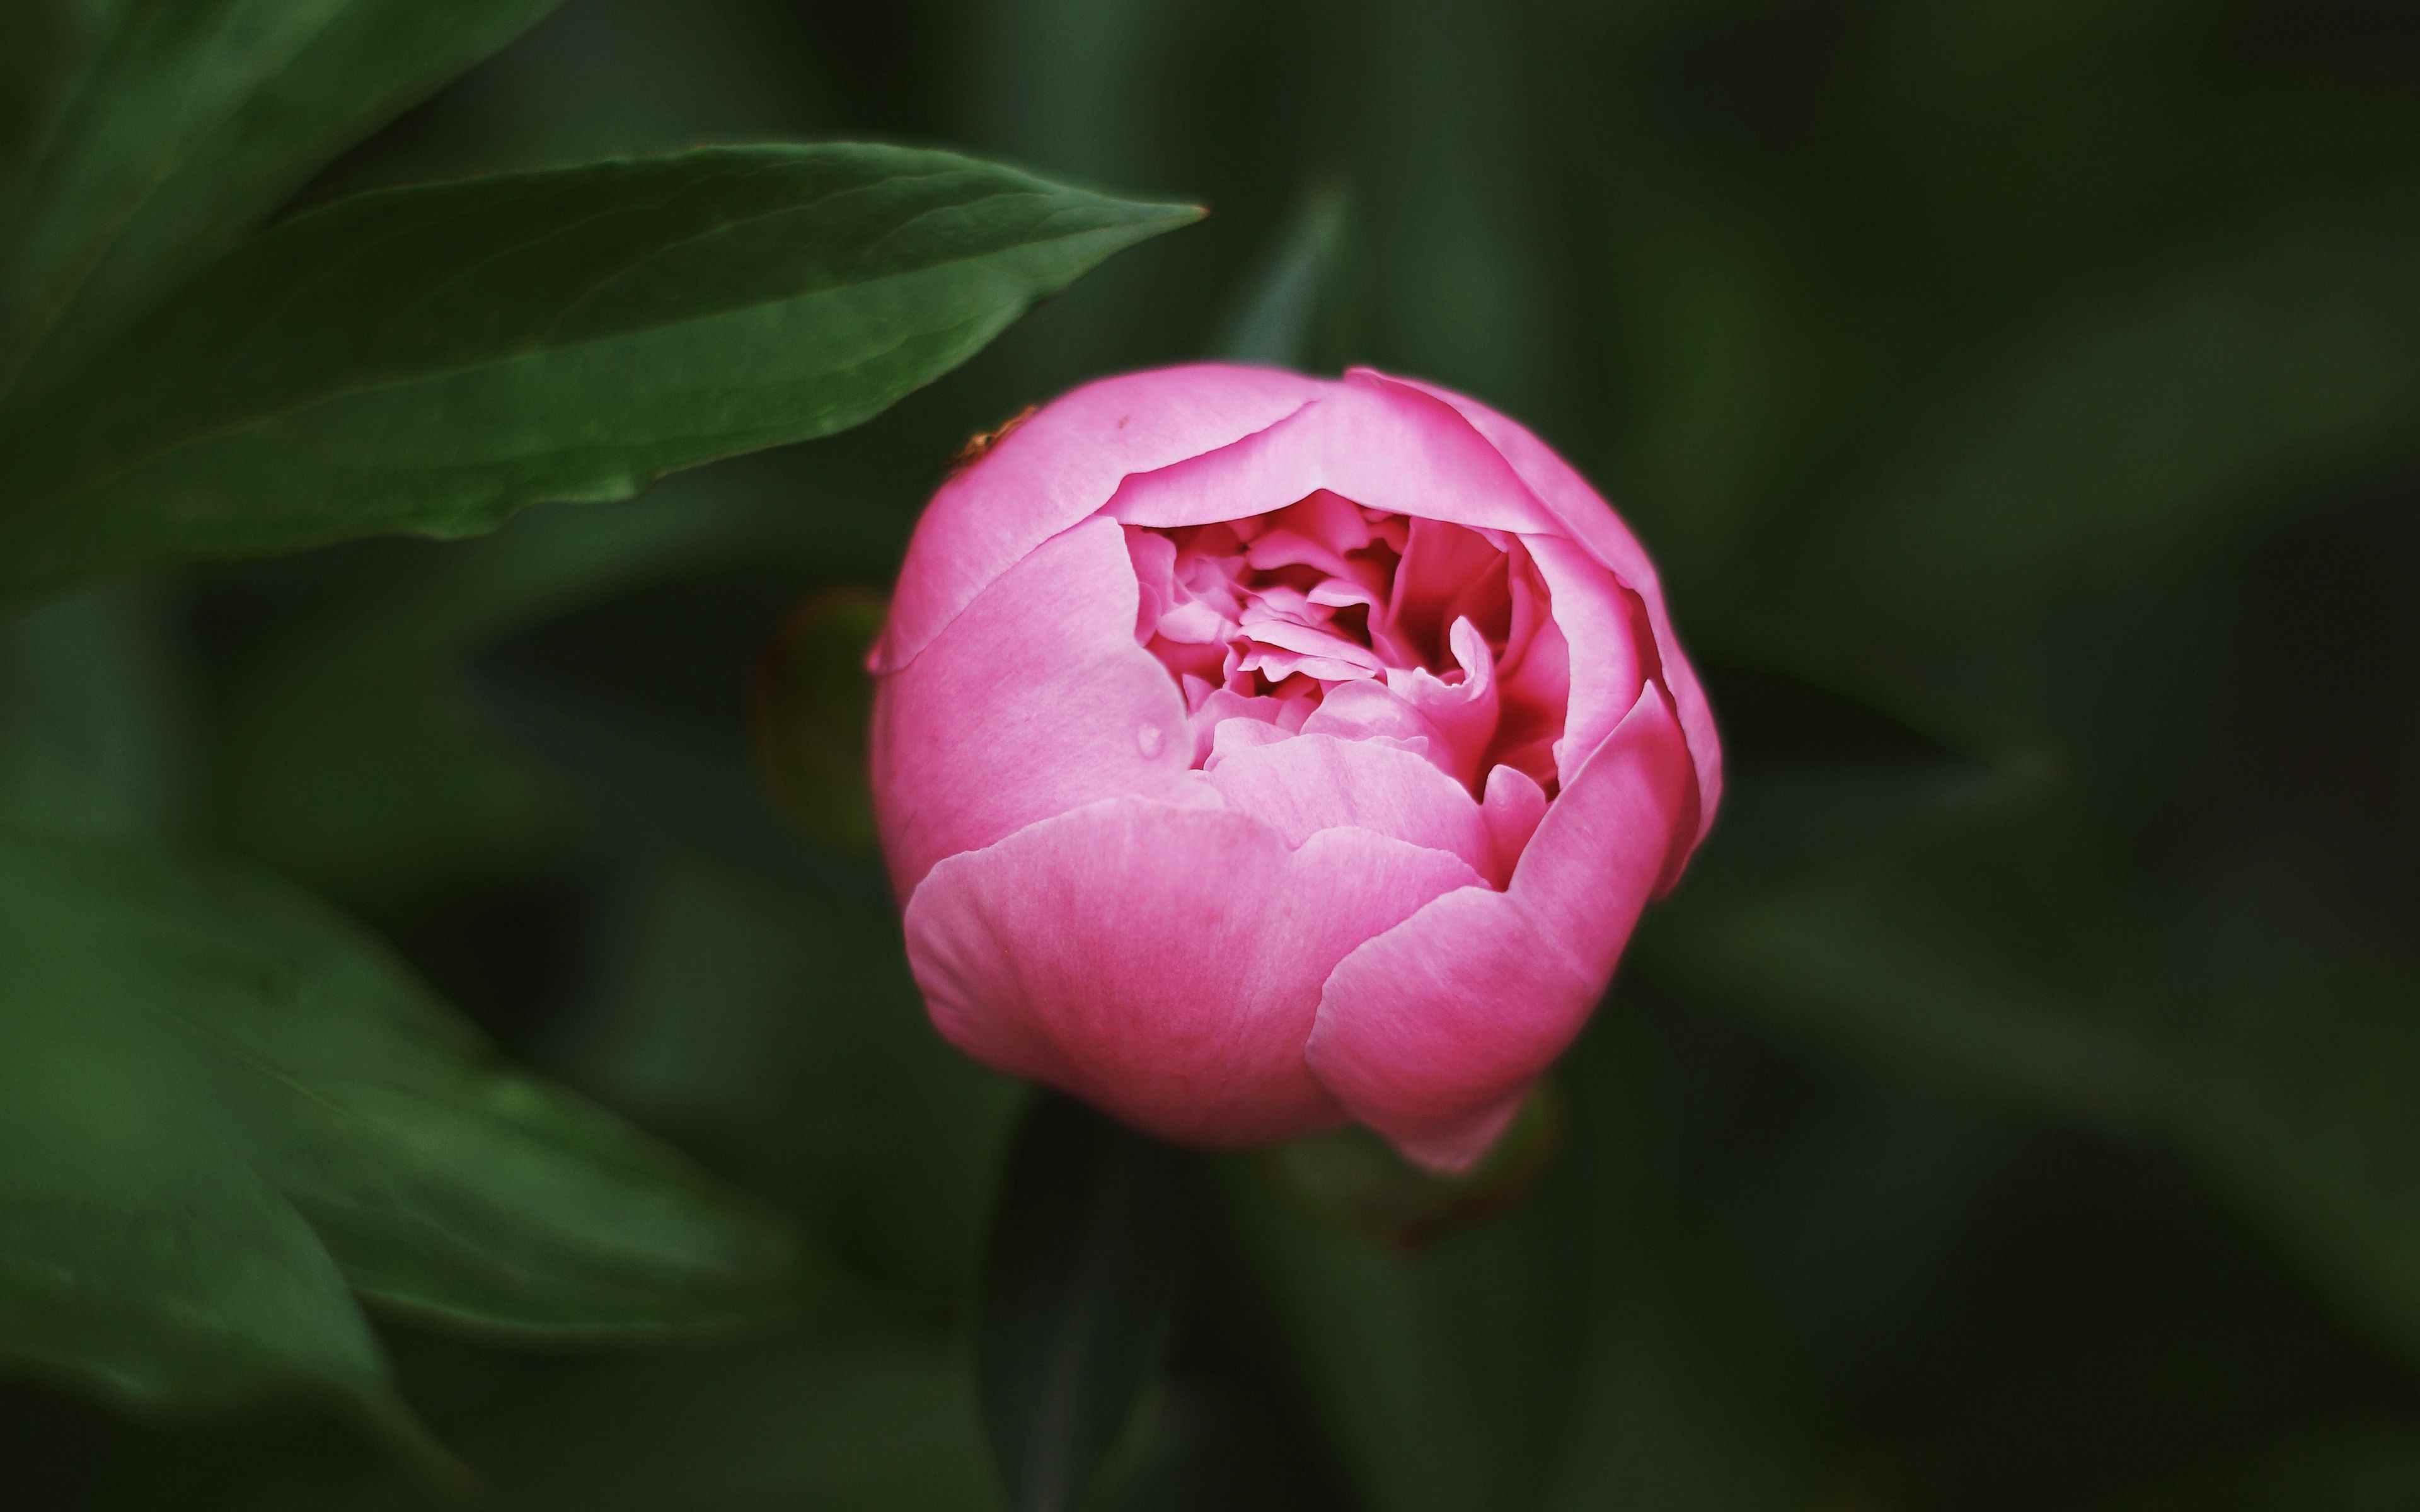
(149, 134)
(1081, 1276)
(217, 1084)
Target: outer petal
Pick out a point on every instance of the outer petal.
(1313, 783)
(1388, 447)
(1161, 963)
(1035, 701)
(1589, 519)
(1430, 1032)
(1062, 464)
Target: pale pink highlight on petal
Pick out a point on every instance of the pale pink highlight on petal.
(1360, 711)
(997, 725)
(1164, 963)
(1308, 783)
(1233, 737)
(1383, 450)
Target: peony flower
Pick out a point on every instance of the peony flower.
(1254, 752)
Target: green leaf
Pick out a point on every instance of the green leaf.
(431, 359)
(1079, 1290)
(95, 732)
(154, 132)
(2109, 445)
(136, 1258)
(338, 1098)
(882, 1417)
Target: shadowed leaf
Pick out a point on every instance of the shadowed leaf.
(155, 131)
(1079, 1286)
(306, 1089)
(431, 359)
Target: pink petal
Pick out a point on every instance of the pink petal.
(1308, 783)
(1309, 641)
(1458, 1147)
(1533, 687)
(1429, 1031)
(1220, 706)
(1512, 806)
(1337, 593)
(1033, 700)
(1587, 518)
(1439, 562)
(1462, 713)
(1161, 963)
(1332, 520)
(1287, 548)
(1063, 464)
(1594, 614)
(1394, 449)
(1238, 733)
(1192, 623)
(1369, 711)
(1155, 569)
(1278, 665)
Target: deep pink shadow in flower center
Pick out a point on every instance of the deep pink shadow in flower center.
(1330, 618)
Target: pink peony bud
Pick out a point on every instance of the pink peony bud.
(1257, 752)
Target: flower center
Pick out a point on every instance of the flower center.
(1330, 618)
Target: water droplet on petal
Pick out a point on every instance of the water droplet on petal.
(1148, 739)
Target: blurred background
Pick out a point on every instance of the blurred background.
(2016, 1106)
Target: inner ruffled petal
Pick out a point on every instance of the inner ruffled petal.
(1333, 618)
(1460, 706)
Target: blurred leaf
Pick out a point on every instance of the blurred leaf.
(1581, 1351)
(1277, 319)
(1981, 935)
(139, 1255)
(442, 1181)
(452, 352)
(881, 1417)
(95, 731)
(2092, 455)
(1079, 1288)
(881, 1425)
(800, 1060)
(640, 711)
(811, 706)
(2363, 1468)
(356, 758)
(164, 129)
